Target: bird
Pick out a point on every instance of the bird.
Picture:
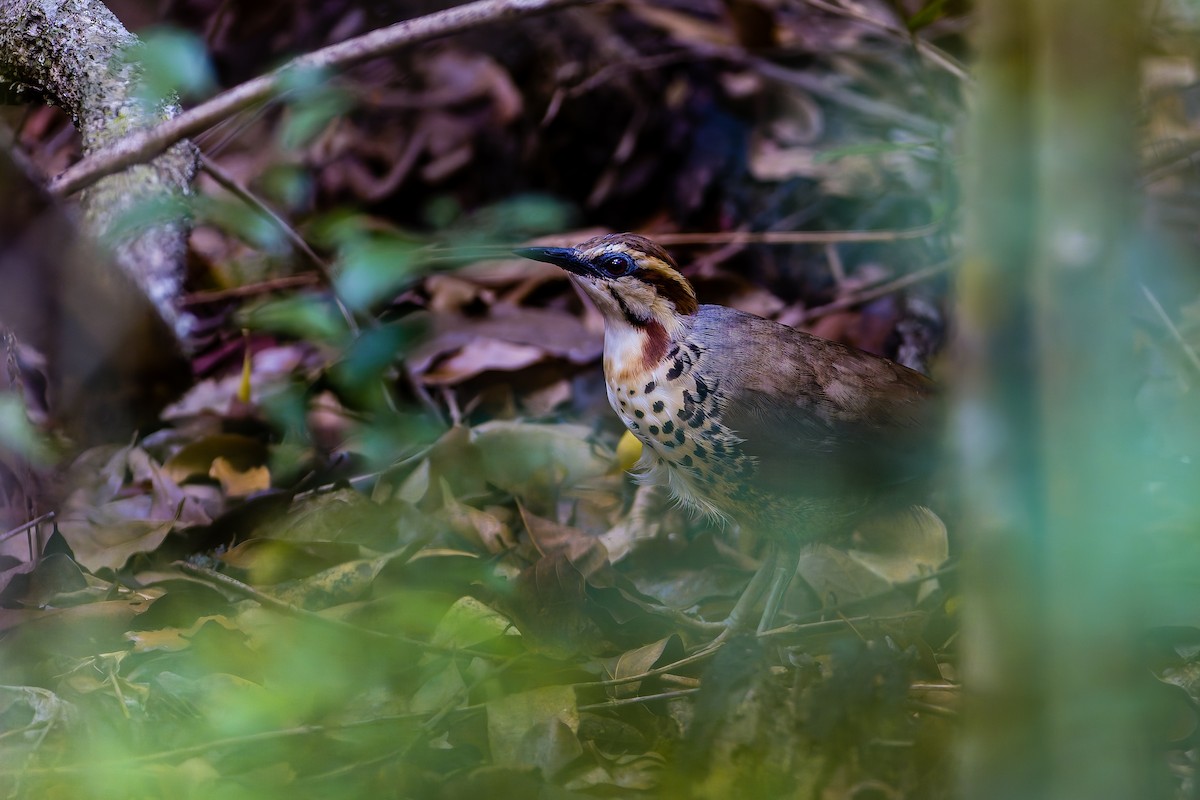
(746, 420)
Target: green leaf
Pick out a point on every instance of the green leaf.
(313, 102)
(929, 14)
(375, 268)
(173, 63)
(230, 215)
(521, 217)
(368, 358)
(443, 687)
(18, 435)
(469, 623)
(302, 317)
(287, 184)
(522, 457)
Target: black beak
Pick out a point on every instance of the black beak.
(564, 257)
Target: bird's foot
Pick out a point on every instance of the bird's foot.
(773, 578)
(686, 620)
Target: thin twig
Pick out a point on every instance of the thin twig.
(252, 289)
(798, 237)
(681, 680)
(650, 673)
(144, 145)
(1165, 318)
(866, 295)
(700, 655)
(836, 268)
(937, 687)
(800, 626)
(629, 701)
(680, 618)
(234, 186)
(809, 628)
(4, 537)
(641, 64)
(233, 127)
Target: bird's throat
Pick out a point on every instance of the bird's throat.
(632, 351)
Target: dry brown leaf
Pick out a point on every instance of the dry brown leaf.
(272, 368)
(903, 546)
(449, 294)
(757, 301)
(585, 552)
(479, 527)
(506, 340)
(643, 522)
(107, 539)
(482, 355)
(168, 500)
(643, 659)
(540, 402)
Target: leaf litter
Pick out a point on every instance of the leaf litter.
(412, 563)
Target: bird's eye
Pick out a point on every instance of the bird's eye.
(616, 264)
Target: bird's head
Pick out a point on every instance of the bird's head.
(630, 279)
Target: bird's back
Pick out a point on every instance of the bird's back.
(794, 434)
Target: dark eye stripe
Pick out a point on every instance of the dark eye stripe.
(636, 322)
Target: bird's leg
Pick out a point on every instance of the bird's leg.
(754, 590)
(781, 578)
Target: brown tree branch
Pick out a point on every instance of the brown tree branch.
(76, 53)
(146, 144)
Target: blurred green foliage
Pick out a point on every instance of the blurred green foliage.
(312, 100)
(173, 64)
(18, 435)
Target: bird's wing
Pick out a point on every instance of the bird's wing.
(820, 417)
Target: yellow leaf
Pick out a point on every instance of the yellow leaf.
(629, 450)
(196, 458)
(243, 394)
(239, 483)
